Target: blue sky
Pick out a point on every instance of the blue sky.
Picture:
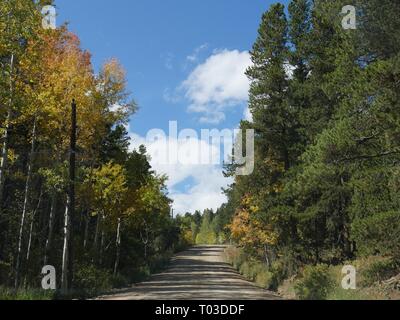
(184, 61)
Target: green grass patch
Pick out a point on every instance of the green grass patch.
(26, 294)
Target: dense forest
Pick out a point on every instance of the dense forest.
(92, 208)
(326, 112)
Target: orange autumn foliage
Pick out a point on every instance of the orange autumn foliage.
(247, 229)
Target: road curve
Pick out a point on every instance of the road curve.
(196, 274)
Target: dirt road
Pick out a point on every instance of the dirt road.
(197, 274)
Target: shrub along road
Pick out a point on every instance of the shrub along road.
(196, 274)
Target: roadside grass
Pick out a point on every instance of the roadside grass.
(371, 271)
(252, 270)
(93, 282)
(322, 282)
(25, 294)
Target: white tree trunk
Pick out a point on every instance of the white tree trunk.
(4, 155)
(4, 150)
(49, 240)
(25, 206)
(118, 247)
(65, 256)
(96, 235)
(28, 250)
(145, 239)
(86, 235)
(102, 240)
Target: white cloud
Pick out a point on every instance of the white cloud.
(247, 114)
(194, 57)
(115, 108)
(205, 194)
(171, 96)
(220, 82)
(205, 191)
